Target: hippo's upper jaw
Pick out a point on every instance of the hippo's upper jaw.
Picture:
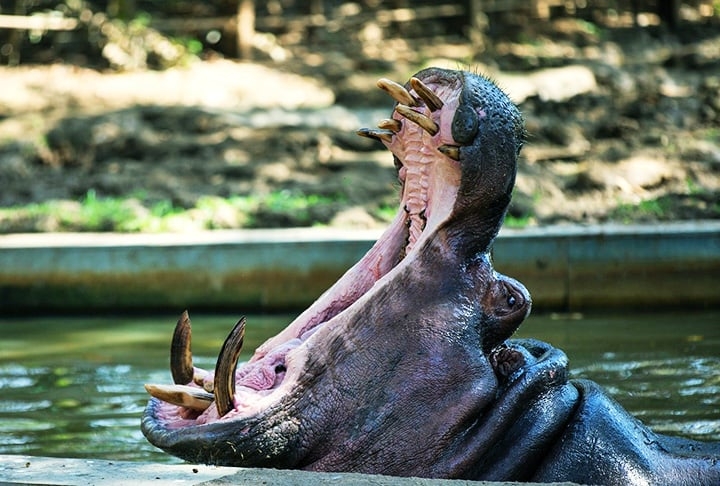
(389, 371)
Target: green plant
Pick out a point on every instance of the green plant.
(101, 214)
(652, 209)
(712, 134)
(693, 187)
(132, 213)
(590, 27)
(385, 212)
(518, 222)
(164, 208)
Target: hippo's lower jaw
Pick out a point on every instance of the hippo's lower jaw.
(397, 349)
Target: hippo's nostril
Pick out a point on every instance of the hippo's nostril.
(465, 124)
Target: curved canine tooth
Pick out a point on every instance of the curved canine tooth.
(423, 121)
(432, 100)
(224, 387)
(390, 124)
(181, 365)
(382, 135)
(397, 91)
(451, 151)
(183, 395)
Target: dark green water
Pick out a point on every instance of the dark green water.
(74, 386)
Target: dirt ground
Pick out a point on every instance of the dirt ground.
(623, 127)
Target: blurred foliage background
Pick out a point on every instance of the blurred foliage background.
(148, 115)
(131, 34)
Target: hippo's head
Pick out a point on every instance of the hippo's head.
(398, 367)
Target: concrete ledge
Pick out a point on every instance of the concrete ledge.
(564, 267)
(615, 266)
(46, 470)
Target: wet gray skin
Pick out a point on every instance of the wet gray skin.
(402, 367)
(399, 367)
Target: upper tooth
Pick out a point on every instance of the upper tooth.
(390, 124)
(397, 91)
(432, 100)
(423, 121)
(452, 151)
(382, 135)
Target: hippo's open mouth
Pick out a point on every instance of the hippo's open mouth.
(423, 296)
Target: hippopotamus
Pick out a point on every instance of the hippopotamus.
(406, 365)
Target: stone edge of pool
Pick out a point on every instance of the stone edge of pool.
(566, 268)
(48, 470)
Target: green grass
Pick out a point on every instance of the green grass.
(386, 212)
(518, 222)
(285, 201)
(89, 214)
(280, 208)
(711, 134)
(99, 214)
(652, 209)
(695, 202)
(132, 214)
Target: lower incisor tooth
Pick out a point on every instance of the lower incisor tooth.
(182, 395)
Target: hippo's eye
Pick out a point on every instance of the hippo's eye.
(511, 301)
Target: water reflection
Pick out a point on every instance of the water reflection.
(74, 387)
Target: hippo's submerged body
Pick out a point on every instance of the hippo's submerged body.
(402, 367)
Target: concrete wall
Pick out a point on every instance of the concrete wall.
(565, 268)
